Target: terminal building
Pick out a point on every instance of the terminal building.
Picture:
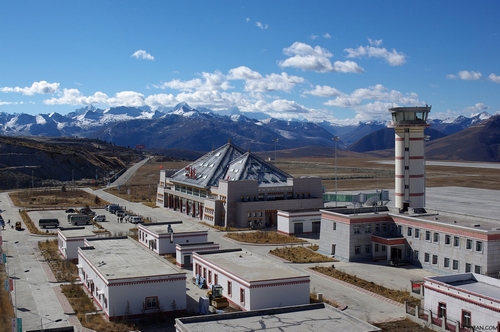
(230, 187)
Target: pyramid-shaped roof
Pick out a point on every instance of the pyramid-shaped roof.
(232, 163)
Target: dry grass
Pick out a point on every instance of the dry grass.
(300, 255)
(63, 270)
(260, 237)
(396, 295)
(6, 308)
(55, 199)
(405, 325)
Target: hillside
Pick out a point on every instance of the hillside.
(27, 162)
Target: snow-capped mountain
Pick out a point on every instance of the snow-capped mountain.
(184, 127)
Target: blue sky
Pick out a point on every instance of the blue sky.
(340, 61)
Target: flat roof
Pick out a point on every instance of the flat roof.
(249, 266)
(309, 317)
(177, 227)
(451, 219)
(76, 232)
(119, 258)
(471, 282)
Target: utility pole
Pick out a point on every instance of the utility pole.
(336, 139)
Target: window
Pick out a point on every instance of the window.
(229, 288)
(407, 186)
(447, 239)
(368, 228)
(434, 259)
(456, 241)
(436, 237)
(384, 227)
(427, 235)
(333, 248)
(477, 269)
(468, 244)
(466, 318)
(216, 278)
(409, 231)
(400, 229)
(376, 247)
(334, 226)
(407, 167)
(455, 264)
(151, 302)
(417, 233)
(384, 248)
(479, 246)
(408, 252)
(377, 227)
(407, 149)
(468, 267)
(357, 250)
(446, 262)
(415, 255)
(427, 257)
(242, 295)
(356, 230)
(368, 248)
(441, 309)
(209, 277)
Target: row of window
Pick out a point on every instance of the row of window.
(465, 320)
(447, 263)
(368, 248)
(433, 237)
(207, 274)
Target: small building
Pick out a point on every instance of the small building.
(469, 299)
(299, 221)
(307, 317)
(250, 281)
(70, 238)
(184, 252)
(162, 237)
(127, 280)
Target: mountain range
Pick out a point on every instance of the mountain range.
(185, 128)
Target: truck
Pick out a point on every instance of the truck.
(113, 208)
(44, 223)
(79, 219)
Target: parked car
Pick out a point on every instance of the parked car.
(136, 220)
(70, 211)
(398, 262)
(100, 217)
(120, 213)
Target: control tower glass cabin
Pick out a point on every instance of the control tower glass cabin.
(409, 124)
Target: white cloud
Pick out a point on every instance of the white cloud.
(247, 19)
(141, 54)
(494, 78)
(42, 87)
(210, 81)
(393, 58)
(75, 97)
(261, 25)
(8, 103)
(323, 91)
(476, 109)
(243, 73)
(255, 82)
(190, 85)
(305, 57)
(327, 36)
(313, 37)
(466, 75)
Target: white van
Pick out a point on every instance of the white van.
(100, 217)
(136, 220)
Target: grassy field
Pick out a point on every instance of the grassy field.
(260, 237)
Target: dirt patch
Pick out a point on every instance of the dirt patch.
(405, 325)
(63, 270)
(61, 198)
(396, 295)
(300, 255)
(260, 237)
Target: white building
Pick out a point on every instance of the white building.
(250, 281)
(299, 221)
(307, 317)
(442, 242)
(127, 280)
(233, 187)
(70, 238)
(184, 252)
(469, 299)
(162, 237)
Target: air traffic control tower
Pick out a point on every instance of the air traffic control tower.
(409, 124)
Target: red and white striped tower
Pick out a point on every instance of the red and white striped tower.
(409, 124)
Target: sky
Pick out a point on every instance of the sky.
(325, 60)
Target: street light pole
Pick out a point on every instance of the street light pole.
(275, 140)
(336, 139)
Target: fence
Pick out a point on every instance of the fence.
(432, 320)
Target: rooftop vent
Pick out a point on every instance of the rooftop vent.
(436, 218)
(454, 221)
(476, 225)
